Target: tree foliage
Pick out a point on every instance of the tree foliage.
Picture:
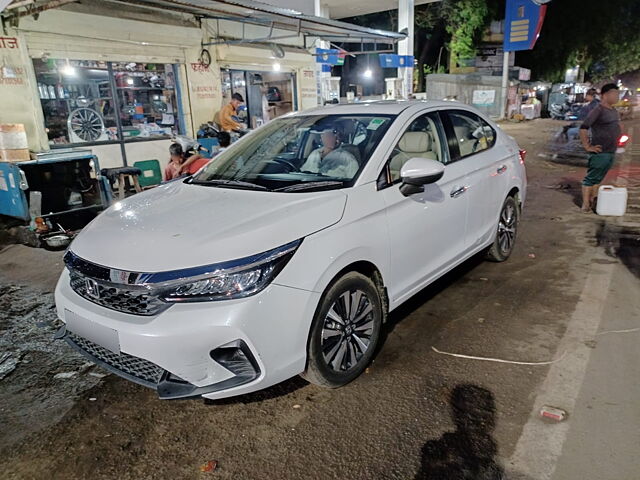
(601, 37)
(466, 20)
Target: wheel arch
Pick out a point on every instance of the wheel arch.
(369, 270)
(515, 194)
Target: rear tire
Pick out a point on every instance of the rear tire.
(506, 233)
(345, 331)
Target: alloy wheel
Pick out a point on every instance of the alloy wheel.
(507, 228)
(347, 330)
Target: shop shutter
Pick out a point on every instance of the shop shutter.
(78, 36)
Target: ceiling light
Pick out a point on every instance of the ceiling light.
(276, 67)
(68, 70)
(368, 73)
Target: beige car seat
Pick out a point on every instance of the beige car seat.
(465, 139)
(412, 144)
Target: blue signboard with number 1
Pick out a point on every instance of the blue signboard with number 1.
(523, 23)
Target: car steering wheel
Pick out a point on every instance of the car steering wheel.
(291, 166)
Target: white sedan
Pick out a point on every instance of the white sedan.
(285, 255)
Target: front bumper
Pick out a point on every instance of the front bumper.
(187, 350)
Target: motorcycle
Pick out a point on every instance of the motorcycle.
(567, 147)
(189, 145)
(208, 130)
(563, 111)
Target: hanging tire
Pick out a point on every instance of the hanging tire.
(345, 331)
(506, 233)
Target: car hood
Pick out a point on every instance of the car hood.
(179, 225)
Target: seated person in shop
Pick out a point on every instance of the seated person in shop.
(228, 115)
(331, 159)
(195, 162)
(173, 168)
(224, 140)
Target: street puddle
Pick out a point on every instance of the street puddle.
(622, 243)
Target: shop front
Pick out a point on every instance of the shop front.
(267, 94)
(120, 84)
(271, 86)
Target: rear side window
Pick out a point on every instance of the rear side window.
(472, 133)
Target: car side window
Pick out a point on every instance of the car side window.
(472, 133)
(421, 139)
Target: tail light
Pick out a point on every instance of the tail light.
(623, 141)
(522, 154)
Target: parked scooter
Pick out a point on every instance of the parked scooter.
(208, 130)
(189, 145)
(564, 111)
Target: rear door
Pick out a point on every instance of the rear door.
(488, 166)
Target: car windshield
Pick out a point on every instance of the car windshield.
(298, 154)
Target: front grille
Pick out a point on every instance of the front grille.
(134, 300)
(133, 368)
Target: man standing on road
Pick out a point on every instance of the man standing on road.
(604, 122)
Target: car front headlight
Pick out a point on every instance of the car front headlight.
(237, 279)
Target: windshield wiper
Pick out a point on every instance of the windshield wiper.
(310, 186)
(230, 184)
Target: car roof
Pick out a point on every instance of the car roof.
(376, 107)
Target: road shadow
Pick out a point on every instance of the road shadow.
(470, 451)
(571, 187)
(622, 243)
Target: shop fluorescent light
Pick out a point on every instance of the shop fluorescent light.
(68, 70)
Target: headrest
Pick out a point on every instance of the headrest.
(415, 142)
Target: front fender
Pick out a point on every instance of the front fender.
(361, 236)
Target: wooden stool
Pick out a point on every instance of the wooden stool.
(133, 177)
(121, 174)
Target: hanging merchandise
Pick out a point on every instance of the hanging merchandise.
(138, 110)
(85, 125)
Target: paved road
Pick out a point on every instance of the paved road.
(416, 413)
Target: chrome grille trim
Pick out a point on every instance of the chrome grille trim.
(134, 300)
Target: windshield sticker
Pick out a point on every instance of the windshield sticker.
(375, 123)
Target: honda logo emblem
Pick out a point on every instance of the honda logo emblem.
(92, 288)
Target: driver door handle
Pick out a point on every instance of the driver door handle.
(501, 169)
(458, 191)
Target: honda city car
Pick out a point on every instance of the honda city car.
(285, 255)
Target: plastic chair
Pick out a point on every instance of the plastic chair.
(151, 173)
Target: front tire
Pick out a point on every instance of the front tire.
(345, 331)
(507, 232)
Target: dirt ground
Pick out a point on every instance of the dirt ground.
(414, 414)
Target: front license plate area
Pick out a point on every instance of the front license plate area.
(103, 336)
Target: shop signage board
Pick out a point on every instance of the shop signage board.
(327, 56)
(524, 19)
(524, 74)
(484, 97)
(391, 60)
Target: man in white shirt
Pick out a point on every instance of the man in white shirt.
(331, 159)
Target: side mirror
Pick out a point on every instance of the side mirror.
(417, 173)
